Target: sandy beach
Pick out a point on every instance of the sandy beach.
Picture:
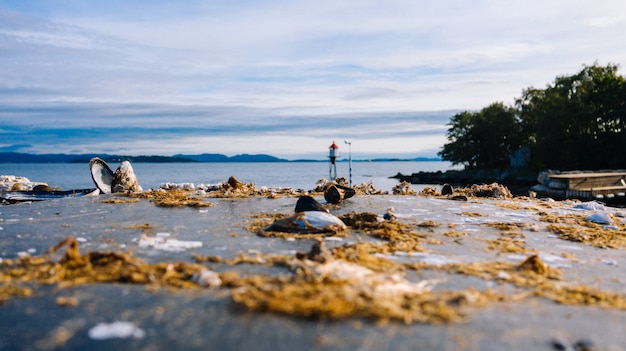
(481, 274)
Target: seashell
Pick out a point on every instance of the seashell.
(390, 215)
(308, 203)
(600, 217)
(308, 222)
(125, 180)
(101, 174)
(207, 278)
(335, 193)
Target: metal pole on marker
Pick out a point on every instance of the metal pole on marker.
(349, 160)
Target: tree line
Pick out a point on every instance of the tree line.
(576, 122)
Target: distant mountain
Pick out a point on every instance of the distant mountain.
(255, 158)
(16, 157)
(236, 158)
(205, 157)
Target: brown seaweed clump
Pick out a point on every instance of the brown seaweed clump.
(173, 198)
(74, 268)
(400, 236)
(506, 245)
(493, 190)
(592, 234)
(573, 227)
(368, 189)
(343, 282)
(334, 288)
(403, 188)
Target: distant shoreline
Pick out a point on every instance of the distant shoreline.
(16, 157)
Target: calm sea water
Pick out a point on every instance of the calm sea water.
(299, 175)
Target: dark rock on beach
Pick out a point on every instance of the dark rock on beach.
(517, 180)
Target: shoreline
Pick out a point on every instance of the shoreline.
(518, 181)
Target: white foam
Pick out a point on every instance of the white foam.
(166, 244)
(117, 329)
(590, 205)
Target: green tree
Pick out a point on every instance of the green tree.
(578, 122)
(483, 139)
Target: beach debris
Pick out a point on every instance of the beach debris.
(117, 329)
(308, 222)
(390, 214)
(123, 180)
(589, 205)
(493, 190)
(458, 197)
(101, 174)
(447, 190)
(581, 228)
(12, 197)
(318, 253)
(335, 288)
(308, 203)
(403, 188)
(347, 281)
(368, 189)
(232, 188)
(336, 193)
(609, 262)
(15, 189)
(310, 218)
(594, 235)
(17, 183)
(600, 217)
(429, 191)
(207, 278)
(164, 243)
(173, 198)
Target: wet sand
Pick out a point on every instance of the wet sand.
(462, 232)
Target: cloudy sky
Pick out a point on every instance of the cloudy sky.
(286, 78)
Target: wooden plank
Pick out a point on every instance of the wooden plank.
(588, 175)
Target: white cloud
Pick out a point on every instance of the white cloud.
(270, 64)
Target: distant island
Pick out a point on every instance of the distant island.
(17, 157)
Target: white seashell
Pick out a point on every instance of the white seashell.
(320, 219)
(101, 174)
(207, 278)
(600, 217)
(188, 186)
(125, 180)
(308, 222)
(379, 285)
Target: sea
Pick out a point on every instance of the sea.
(296, 175)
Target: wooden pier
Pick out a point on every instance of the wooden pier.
(606, 186)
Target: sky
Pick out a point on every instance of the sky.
(285, 78)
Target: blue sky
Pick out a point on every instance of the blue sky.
(279, 77)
